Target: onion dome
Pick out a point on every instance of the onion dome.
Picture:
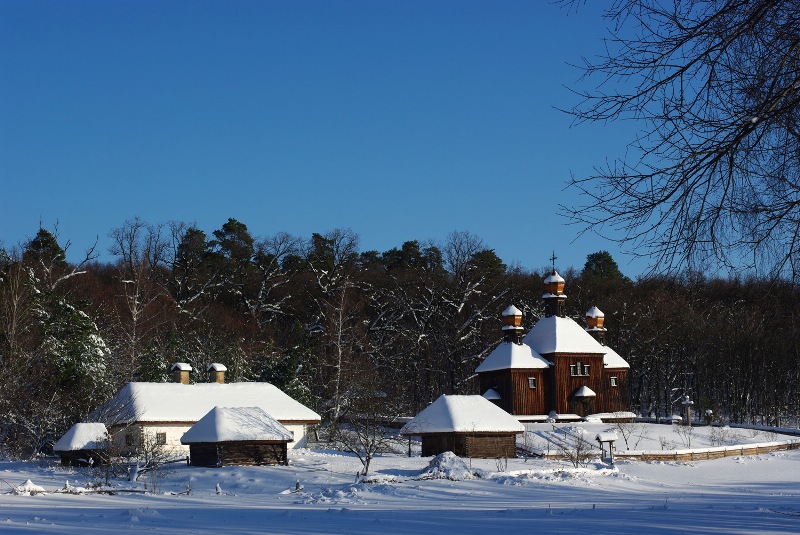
(554, 283)
(595, 318)
(512, 318)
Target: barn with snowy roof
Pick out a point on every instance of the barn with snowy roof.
(237, 436)
(163, 412)
(469, 426)
(559, 369)
(84, 444)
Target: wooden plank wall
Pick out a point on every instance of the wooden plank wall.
(484, 445)
(565, 384)
(238, 453)
(615, 399)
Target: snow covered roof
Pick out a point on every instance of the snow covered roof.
(175, 402)
(595, 312)
(612, 359)
(462, 414)
(553, 277)
(182, 366)
(555, 334)
(83, 436)
(606, 436)
(217, 367)
(584, 392)
(228, 424)
(491, 394)
(509, 355)
(512, 311)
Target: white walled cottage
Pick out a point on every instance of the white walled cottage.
(164, 412)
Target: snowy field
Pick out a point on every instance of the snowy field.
(750, 494)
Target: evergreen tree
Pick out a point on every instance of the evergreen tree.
(601, 265)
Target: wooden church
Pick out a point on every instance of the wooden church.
(559, 370)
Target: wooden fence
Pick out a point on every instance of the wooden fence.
(704, 454)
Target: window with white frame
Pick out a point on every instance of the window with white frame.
(613, 381)
(579, 369)
(532, 382)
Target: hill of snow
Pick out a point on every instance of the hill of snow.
(412, 495)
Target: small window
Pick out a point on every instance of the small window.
(161, 439)
(128, 439)
(579, 369)
(532, 382)
(613, 381)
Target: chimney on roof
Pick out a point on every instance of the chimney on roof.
(180, 373)
(594, 321)
(554, 295)
(512, 325)
(216, 373)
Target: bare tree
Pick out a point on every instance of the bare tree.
(15, 307)
(139, 248)
(713, 176)
(266, 300)
(576, 449)
(370, 414)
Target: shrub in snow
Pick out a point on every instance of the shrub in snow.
(27, 489)
(447, 466)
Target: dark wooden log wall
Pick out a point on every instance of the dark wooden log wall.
(81, 458)
(238, 453)
(616, 398)
(479, 445)
(565, 385)
(516, 397)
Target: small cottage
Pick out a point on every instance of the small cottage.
(237, 436)
(469, 426)
(84, 444)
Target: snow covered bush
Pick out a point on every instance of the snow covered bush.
(447, 466)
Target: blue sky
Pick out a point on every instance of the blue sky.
(399, 120)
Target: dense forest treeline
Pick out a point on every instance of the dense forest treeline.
(327, 322)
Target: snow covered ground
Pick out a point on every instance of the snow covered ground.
(750, 494)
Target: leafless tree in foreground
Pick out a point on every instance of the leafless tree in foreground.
(713, 176)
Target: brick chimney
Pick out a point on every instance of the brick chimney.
(216, 373)
(180, 373)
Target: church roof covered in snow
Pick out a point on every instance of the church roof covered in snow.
(175, 402)
(462, 414)
(83, 436)
(229, 424)
(612, 359)
(595, 312)
(554, 334)
(553, 277)
(509, 355)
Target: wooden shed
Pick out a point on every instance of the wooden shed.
(85, 444)
(469, 426)
(237, 436)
